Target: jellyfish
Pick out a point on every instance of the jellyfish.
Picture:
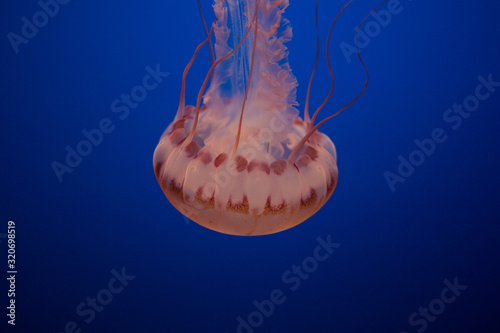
(242, 161)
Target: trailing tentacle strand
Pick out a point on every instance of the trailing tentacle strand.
(238, 135)
(182, 102)
(204, 85)
(212, 57)
(307, 118)
(311, 124)
(295, 152)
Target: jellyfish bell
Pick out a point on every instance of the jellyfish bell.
(241, 161)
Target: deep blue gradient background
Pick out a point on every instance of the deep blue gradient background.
(396, 248)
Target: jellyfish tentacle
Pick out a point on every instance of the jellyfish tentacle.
(230, 169)
(361, 61)
(204, 85)
(313, 119)
(296, 150)
(238, 135)
(182, 102)
(306, 107)
(212, 58)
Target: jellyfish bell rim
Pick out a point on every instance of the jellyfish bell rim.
(290, 193)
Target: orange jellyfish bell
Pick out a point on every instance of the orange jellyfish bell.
(243, 162)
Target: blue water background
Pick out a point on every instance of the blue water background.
(396, 247)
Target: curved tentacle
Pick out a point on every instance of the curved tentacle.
(235, 148)
(212, 57)
(182, 102)
(311, 124)
(306, 107)
(295, 152)
(210, 72)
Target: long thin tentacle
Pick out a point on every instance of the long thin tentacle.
(295, 152)
(313, 120)
(238, 135)
(204, 85)
(182, 102)
(212, 57)
(306, 107)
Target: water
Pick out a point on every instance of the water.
(395, 246)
